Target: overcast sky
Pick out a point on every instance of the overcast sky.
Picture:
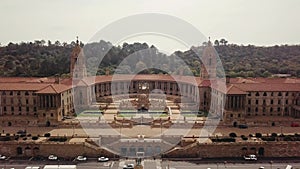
(258, 22)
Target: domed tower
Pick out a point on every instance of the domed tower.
(77, 62)
(209, 62)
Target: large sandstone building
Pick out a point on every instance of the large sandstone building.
(45, 101)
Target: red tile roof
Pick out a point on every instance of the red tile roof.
(269, 86)
(232, 89)
(22, 86)
(240, 85)
(54, 89)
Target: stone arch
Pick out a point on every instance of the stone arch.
(261, 151)
(27, 151)
(48, 123)
(235, 124)
(19, 150)
(36, 150)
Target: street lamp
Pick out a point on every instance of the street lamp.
(225, 162)
(271, 162)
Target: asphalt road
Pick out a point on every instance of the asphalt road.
(187, 165)
(157, 164)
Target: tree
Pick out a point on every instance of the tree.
(57, 43)
(223, 41)
(49, 43)
(140, 66)
(217, 43)
(43, 42)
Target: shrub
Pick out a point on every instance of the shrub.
(17, 138)
(268, 138)
(25, 138)
(223, 140)
(232, 135)
(245, 138)
(58, 139)
(35, 137)
(47, 135)
(274, 134)
(258, 135)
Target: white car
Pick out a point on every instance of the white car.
(52, 157)
(81, 158)
(103, 159)
(128, 166)
(250, 157)
(2, 157)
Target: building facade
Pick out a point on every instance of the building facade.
(45, 101)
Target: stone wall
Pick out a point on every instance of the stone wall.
(196, 150)
(265, 149)
(66, 150)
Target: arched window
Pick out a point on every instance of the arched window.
(257, 94)
(265, 94)
(279, 94)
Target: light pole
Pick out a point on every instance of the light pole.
(271, 164)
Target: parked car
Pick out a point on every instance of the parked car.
(2, 157)
(52, 157)
(128, 166)
(81, 158)
(250, 157)
(103, 159)
(288, 167)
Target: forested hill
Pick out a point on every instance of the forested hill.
(40, 59)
